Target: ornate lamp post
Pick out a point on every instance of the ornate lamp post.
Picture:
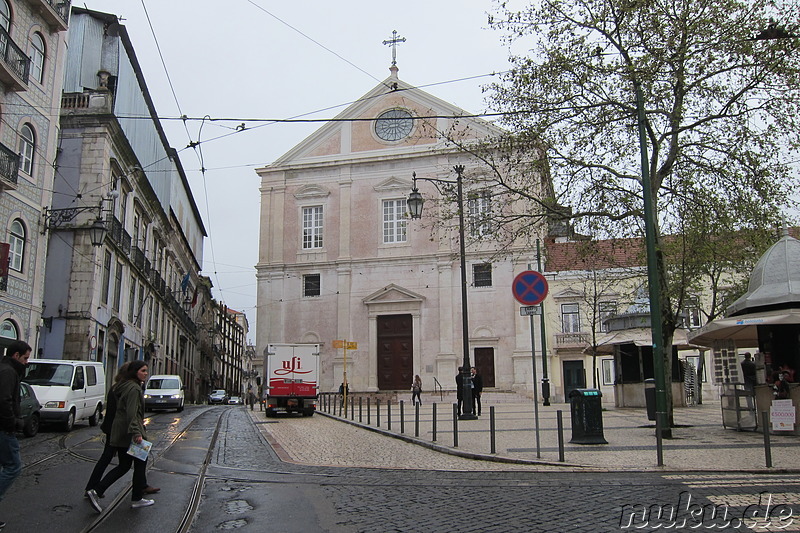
(414, 203)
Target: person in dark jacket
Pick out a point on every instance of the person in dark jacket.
(108, 450)
(460, 389)
(477, 389)
(128, 427)
(12, 369)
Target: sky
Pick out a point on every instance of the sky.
(250, 60)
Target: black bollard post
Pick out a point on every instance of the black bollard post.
(491, 429)
(434, 421)
(402, 417)
(455, 425)
(659, 444)
(352, 408)
(377, 412)
(416, 419)
(767, 447)
(560, 415)
(389, 415)
(360, 409)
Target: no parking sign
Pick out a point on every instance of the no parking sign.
(529, 287)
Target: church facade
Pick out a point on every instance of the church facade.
(340, 260)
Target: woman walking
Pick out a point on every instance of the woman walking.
(416, 390)
(128, 427)
(108, 450)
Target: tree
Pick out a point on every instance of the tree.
(720, 114)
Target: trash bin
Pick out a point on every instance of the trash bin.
(587, 416)
(650, 397)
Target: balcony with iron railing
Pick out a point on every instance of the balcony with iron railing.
(9, 168)
(14, 63)
(54, 12)
(119, 236)
(571, 341)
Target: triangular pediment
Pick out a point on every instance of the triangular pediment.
(392, 294)
(351, 134)
(393, 184)
(567, 294)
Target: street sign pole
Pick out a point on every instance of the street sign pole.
(535, 392)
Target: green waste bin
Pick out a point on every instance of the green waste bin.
(587, 416)
(650, 397)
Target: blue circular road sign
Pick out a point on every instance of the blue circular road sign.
(529, 287)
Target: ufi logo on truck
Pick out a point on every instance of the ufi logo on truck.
(291, 366)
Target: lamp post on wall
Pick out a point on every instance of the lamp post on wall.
(415, 202)
(56, 218)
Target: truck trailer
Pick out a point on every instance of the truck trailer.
(292, 378)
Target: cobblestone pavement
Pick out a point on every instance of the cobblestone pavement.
(380, 483)
(698, 443)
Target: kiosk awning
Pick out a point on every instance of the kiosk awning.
(639, 337)
(742, 329)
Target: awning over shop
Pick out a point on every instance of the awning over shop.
(742, 329)
(639, 337)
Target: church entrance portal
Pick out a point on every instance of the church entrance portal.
(395, 352)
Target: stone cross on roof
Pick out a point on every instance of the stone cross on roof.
(393, 42)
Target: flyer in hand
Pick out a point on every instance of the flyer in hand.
(141, 450)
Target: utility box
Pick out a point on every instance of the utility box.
(587, 416)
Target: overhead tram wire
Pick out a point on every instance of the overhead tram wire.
(196, 145)
(314, 41)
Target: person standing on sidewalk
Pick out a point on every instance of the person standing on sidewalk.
(108, 450)
(12, 369)
(128, 427)
(460, 388)
(416, 390)
(477, 388)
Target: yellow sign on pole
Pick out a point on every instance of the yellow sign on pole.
(345, 346)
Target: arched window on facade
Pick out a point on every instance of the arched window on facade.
(27, 145)
(16, 241)
(37, 53)
(9, 332)
(5, 15)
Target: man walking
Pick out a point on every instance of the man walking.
(12, 369)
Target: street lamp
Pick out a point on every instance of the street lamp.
(55, 218)
(415, 202)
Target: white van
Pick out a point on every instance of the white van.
(164, 392)
(67, 390)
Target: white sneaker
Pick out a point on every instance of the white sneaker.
(144, 502)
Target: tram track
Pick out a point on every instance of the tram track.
(196, 492)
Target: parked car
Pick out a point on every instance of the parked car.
(30, 409)
(218, 396)
(235, 400)
(68, 390)
(164, 392)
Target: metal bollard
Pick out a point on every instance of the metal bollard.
(360, 410)
(402, 417)
(416, 419)
(491, 429)
(767, 447)
(434, 421)
(659, 444)
(378, 412)
(560, 418)
(369, 412)
(352, 408)
(455, 425)
(389, 415)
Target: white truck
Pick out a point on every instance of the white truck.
(292, 378)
